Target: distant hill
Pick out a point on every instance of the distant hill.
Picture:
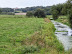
(21, 10)
(34, 8)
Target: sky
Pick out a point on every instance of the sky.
(28, 3)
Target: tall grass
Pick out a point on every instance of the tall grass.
(22, 35)
(14, 30)
(64, 20)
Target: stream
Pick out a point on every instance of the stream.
(62, 34)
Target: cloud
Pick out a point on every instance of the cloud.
(28, 3)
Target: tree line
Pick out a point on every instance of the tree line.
(39, 13)
(9, 10)
(5, 11)
(62, 9)
(46, 9)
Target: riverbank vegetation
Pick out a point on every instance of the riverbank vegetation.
(64, 20)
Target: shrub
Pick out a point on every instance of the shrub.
(29, 14)
(39, 13)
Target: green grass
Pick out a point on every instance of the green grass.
(14, 30)
(49, 16)
(22, 35)
(63, 19)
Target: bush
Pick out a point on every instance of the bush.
(39, 13)
(29, 14)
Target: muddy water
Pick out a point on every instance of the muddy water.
(62, 34)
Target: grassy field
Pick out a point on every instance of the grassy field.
(22, 35)
(14, 29)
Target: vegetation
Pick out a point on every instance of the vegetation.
(64, 20)
(14, 29)
(70, 18)
(6, 11)
(33, 35)
(70, 12)
(63, 9)
(39, 13)
(0, 11)
(55, 14)
(56, 11)
(47, 9)
(32, 9)
(29, 14)
(22, 35)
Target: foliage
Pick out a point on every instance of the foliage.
(70, 18)
(69, 2)
(63, 9)
(7, 10)
(56, 10)
(47, 9)
(0, 11)
(29, 14)
(55, 14)
(39, 13)
(57, 7)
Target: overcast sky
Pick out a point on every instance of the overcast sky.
(28, 3)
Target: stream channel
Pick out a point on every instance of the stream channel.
(62, 34)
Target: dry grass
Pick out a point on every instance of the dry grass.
(47, 20)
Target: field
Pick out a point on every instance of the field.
(23, 35)
(14, 30)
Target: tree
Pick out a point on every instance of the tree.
(55, 14)
(70, 12)
(0, 11)
(64, 9)
(39, 13)
(29, 14)
(57, 7)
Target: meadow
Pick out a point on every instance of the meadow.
(23, 35)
